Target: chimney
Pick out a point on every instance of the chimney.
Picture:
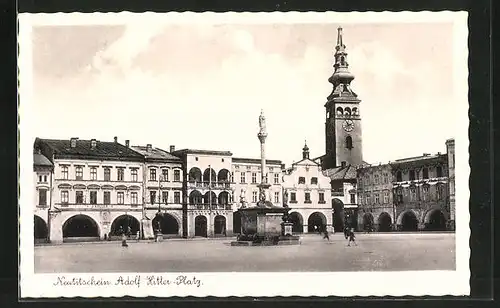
(149, 148)
(172, 148)
(439, 153)
(116, 139)
(73, 142)
(93, 144)
(127, 143)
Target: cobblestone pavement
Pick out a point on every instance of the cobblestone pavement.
(375, 252)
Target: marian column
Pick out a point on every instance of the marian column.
(262, 138)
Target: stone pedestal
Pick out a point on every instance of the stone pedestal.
(286, 228)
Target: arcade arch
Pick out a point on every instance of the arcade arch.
(316, 220)
(80, 226)
(200, 226)
(297, 221)
(368, 222)
(220, 225)
(408, 221)
(166, 224)
(384, 222)
(195, 174)
(41, 231)
(435, 220)
(122, 223)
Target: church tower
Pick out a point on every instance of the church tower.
(343, 119)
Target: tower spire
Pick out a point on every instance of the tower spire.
(342, 77)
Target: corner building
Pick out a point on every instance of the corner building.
(97, 187)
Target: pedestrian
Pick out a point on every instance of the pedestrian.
(129, 232)
(346, 232)
(137, 236)
(352, 238)
(325, 233)
(124, 239)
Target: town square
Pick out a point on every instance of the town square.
(375, 252)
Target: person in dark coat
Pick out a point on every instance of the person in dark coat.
(325, 233)
(352, 238)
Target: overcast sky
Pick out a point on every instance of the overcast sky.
(201, 86)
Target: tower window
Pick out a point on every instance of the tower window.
(347, 111)
(354, 111)
(348, 142)
(340, 111)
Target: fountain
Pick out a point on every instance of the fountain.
(264, 224)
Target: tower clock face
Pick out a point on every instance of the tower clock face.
(348, 125)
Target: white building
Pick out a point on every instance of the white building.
(162, 180)
(97, 187)
(308, 194)
(42, 177)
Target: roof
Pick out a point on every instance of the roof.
(41, 160)
(342, 173)
(203, 152)
(419, 158)
(83, 149)
(308, 159)
(155, 153)
(255, 161)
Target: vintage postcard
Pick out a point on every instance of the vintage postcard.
(244, 154)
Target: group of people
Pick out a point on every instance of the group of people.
(348, 233)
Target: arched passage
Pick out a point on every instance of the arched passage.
(166, 224)
(195, 197)
(409, 221)
(80, 226)
(195, 174)
(122, 223)
(209, 175)
(297, 221)
(435, 221)
(338, 215)
(200, 226)
(40, 229)
(237, 222)
(220, 225)
(367, 222)
(317, 220)
(384, 222)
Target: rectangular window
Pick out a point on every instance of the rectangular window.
(177, 175)
(276, 178)
(377, 199)
(152, 197)
(120, 174)
(293, 197)
(93, 173)
(79, 197)
(232, 177)
(353, 199)
(314, 180)
(307, 197)
(367, 180)
(164, 197)
(164, 175)
(413, 194)
(302, 180)
(439, 171)
(386, 178)
(276, 197)
(177, 197)
(425, 173)
(64, 172)
(254, 177)
(375, 179)
(321, 197)
(243, 178)
(439, 192)
(64, 197)
(133, 198)
(254, 196)
(107, 174)
(152, 174)
(133, 175)
(412, 175)
(425, 192)
(79, 173)
(39, 179)
(107, 197)
(386, 197)
(367, 198)
(93, 197)
(120, 197)
(42, 197)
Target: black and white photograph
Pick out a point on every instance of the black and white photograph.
(244, 154)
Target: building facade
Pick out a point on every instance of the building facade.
(208, 192)
(450, 151)
(247, 174)
(97, 187)
(162, 180)
(42, 177)
(308, 194)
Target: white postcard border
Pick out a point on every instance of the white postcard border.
(251, 284)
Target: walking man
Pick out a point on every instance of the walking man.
(352, 238)
(325, 233)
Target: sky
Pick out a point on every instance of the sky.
(203, 86)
